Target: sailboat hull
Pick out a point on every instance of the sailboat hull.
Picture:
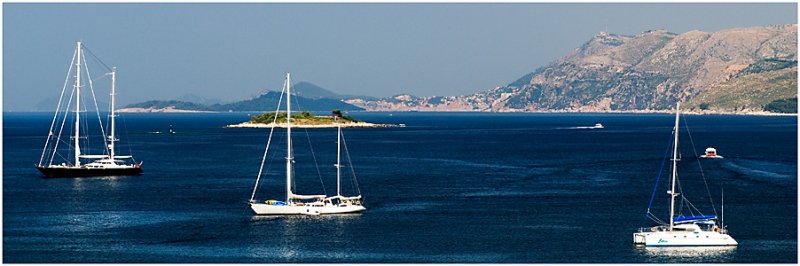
(89, 172)
(267, 209)
(683, 238)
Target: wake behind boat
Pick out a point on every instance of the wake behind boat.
(296, 204)
(596, 126)
(106, 164)
(695, 229)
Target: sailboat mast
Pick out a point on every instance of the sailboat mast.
(112, 138)
(674, 169)
(288, 137)
(339, 161)
(78, 107)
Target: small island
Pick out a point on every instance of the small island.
(305, 120)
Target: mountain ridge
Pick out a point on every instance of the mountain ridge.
(736, 70)
(307, 97)
(265, 102)
(648, 71)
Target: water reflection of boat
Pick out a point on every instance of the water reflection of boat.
(715, 253)
(711, 153)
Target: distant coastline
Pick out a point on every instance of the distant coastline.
(159, 110)
(706, 112)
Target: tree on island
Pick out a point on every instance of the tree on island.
(302, 117)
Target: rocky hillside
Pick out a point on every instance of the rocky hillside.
(740, 69)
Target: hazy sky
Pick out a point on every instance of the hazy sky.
(233, 51)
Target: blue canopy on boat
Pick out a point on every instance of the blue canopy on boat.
(694, 218)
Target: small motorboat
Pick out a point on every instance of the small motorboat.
(711, 153)
(596, 126)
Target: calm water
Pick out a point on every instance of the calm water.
(446, 188)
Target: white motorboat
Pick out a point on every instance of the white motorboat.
(711, 153)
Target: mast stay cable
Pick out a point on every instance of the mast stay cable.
(697, 158)
(655, 187)
(58, 107)
(96, 108)
(63, 121)
(350, 162)
(313, 155)
(269, 140)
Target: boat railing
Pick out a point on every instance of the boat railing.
(652, 229)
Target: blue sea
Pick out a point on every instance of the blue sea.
(448, 187)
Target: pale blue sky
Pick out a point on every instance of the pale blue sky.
(233, 51)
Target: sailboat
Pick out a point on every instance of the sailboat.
(106, 164)
(296, 204)
(693, 230)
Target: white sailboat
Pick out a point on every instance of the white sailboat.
(694, 230)
(107, 164)
(304, 204)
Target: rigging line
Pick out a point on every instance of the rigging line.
(655, 219)
(702, 174)
(269, 140)
(294, 180)
(686, 203)
(96, 108)
(108, 122)
(683, 196)
(281, 142)
(61, 129)
(660, 172)
(127, 137)
(353, 182)
(272, 157)
(316, 164)
(126, 132)
(313, 155)
(59, 154)
(691, 206)
(100, 77)
(95, 57)
(58, 107)
(350, 162)
(85, 128)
